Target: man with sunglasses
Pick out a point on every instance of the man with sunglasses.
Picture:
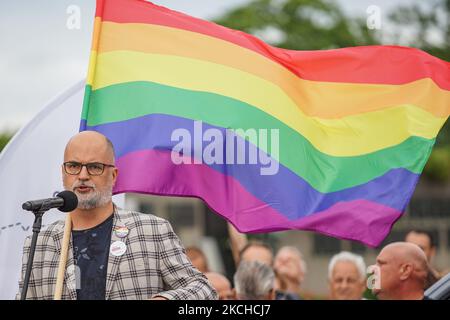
(113, 253)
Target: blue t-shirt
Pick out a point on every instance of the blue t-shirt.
(91, 251)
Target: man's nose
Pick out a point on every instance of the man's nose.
(343, 287)
(84, 174)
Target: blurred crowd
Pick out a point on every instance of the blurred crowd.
(402, 271)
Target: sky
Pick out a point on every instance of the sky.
(40, 57)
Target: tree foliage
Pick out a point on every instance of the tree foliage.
(4, 139)
(300, 24)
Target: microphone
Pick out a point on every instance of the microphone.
(65, 201)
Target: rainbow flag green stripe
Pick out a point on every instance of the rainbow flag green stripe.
(147, 98)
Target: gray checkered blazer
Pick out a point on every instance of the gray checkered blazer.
(154, 263)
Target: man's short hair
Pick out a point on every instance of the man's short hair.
(346, 256)
(253, 280)
(254, 244)
(428, 233)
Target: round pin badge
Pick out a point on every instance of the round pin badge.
(121, 232)
(118, 248)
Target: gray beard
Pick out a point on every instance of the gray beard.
(98, 199)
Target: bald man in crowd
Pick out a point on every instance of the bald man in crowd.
(113, 253)
(198, 258)
(257, 251)
(221, 284)
(402, 268)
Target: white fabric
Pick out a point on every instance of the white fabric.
(30, 168)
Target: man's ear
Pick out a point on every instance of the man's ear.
(406, 271)
(115, 174)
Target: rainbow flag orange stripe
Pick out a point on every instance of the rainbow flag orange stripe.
(355, 125)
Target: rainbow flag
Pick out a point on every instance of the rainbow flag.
(335, 139)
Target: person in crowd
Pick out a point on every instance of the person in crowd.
(346, 276)
(198, 258)
(221, 284)
(401, 269)
(425, 240)
(254, 280)
(257, 251)
(290, 269)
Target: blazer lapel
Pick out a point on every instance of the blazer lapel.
(114, 261)
(70, 285)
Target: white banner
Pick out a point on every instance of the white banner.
(30, 168)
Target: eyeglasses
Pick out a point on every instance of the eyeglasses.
(93, 168)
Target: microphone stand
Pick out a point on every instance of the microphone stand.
(36, 229)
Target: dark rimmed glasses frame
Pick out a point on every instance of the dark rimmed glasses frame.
(93, 168)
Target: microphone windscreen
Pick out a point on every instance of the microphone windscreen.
(70, 201)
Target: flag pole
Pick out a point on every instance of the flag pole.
(63, 258)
